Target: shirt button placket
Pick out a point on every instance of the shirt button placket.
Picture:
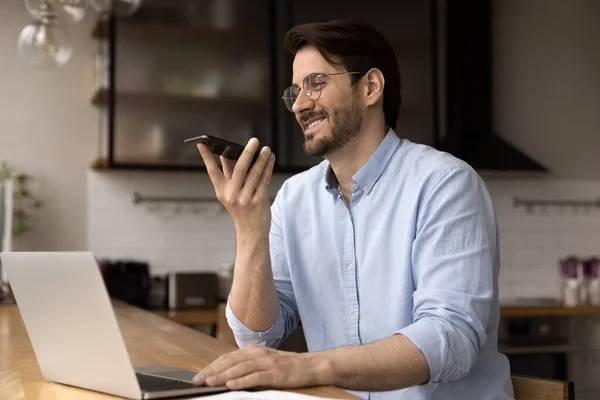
(350, 283)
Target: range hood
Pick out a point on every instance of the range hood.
(463, 43)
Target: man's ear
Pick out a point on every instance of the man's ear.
(375, 83)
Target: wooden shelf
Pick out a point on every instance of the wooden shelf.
(547, 311)
(100, 98)
(152, 29)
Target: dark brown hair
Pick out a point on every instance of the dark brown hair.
(356, 46)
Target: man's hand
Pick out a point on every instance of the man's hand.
(258, 366)
(243, 191)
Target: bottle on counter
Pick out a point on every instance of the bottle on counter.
(593, 281)
(571, 281)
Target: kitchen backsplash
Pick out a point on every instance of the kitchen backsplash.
(201, 237)
(171, 237)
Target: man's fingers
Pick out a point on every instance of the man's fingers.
(256, 172)
(243, 164)
(259, 378)
(214, 172)
(238, 370)
(265, 179)
(228, 166)
(223, 363)
(267, 173)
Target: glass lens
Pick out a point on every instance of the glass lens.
(313, 84)
(289, 97)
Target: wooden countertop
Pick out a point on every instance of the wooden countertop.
(547, 311)
(150, 338)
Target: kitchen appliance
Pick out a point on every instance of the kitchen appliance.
(188, 290)
(536, 346)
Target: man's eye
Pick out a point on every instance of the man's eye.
(318, 84)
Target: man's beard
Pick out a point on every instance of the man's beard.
(345, 124)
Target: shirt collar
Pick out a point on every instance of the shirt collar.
(368, 175)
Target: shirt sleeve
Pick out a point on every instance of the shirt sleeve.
(287, 319)
(453, 260)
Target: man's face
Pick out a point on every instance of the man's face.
(335, 118)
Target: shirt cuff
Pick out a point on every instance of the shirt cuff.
(245, 336)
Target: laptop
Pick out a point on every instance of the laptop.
(72, 326)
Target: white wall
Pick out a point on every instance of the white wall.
(48, 129)
(547, 82)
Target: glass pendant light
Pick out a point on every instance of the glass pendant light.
(43, 43)
(65, 11)
(121, 8)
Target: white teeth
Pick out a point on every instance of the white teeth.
(315, 123)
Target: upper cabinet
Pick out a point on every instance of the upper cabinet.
(179, 69)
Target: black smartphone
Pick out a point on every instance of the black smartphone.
(220, 147)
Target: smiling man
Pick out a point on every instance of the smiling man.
(387, 251)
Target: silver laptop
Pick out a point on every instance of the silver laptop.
(67, 312)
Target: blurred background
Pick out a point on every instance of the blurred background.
(97, 97)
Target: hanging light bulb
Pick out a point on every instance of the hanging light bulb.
(43, 44)
(121, 8)
(65, 11)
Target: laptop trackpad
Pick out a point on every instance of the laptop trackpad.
(179, 374)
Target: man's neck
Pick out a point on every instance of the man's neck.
(348, 160)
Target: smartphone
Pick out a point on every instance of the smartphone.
(220, 147)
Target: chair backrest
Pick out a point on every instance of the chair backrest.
(530, 388)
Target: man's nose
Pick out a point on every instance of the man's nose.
(302, 103)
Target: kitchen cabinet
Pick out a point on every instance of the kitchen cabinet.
(584, 359)
(178, 69)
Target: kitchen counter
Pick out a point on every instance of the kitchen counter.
(511, 311)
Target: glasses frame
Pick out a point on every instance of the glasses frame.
(309, 92)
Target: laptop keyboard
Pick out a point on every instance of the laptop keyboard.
(149, 383)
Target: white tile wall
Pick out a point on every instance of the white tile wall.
(170, 238)
(531, 242)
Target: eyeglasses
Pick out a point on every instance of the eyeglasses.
(312, 85)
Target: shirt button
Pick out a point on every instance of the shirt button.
(366, 188)
(354, 185)
(353, 316)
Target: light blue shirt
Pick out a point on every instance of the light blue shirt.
(416, 253)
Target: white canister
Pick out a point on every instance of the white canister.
(593, 281)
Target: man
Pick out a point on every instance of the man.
(387, 250)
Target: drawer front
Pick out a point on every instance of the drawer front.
(584, 332)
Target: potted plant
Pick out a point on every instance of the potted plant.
(24, 202)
